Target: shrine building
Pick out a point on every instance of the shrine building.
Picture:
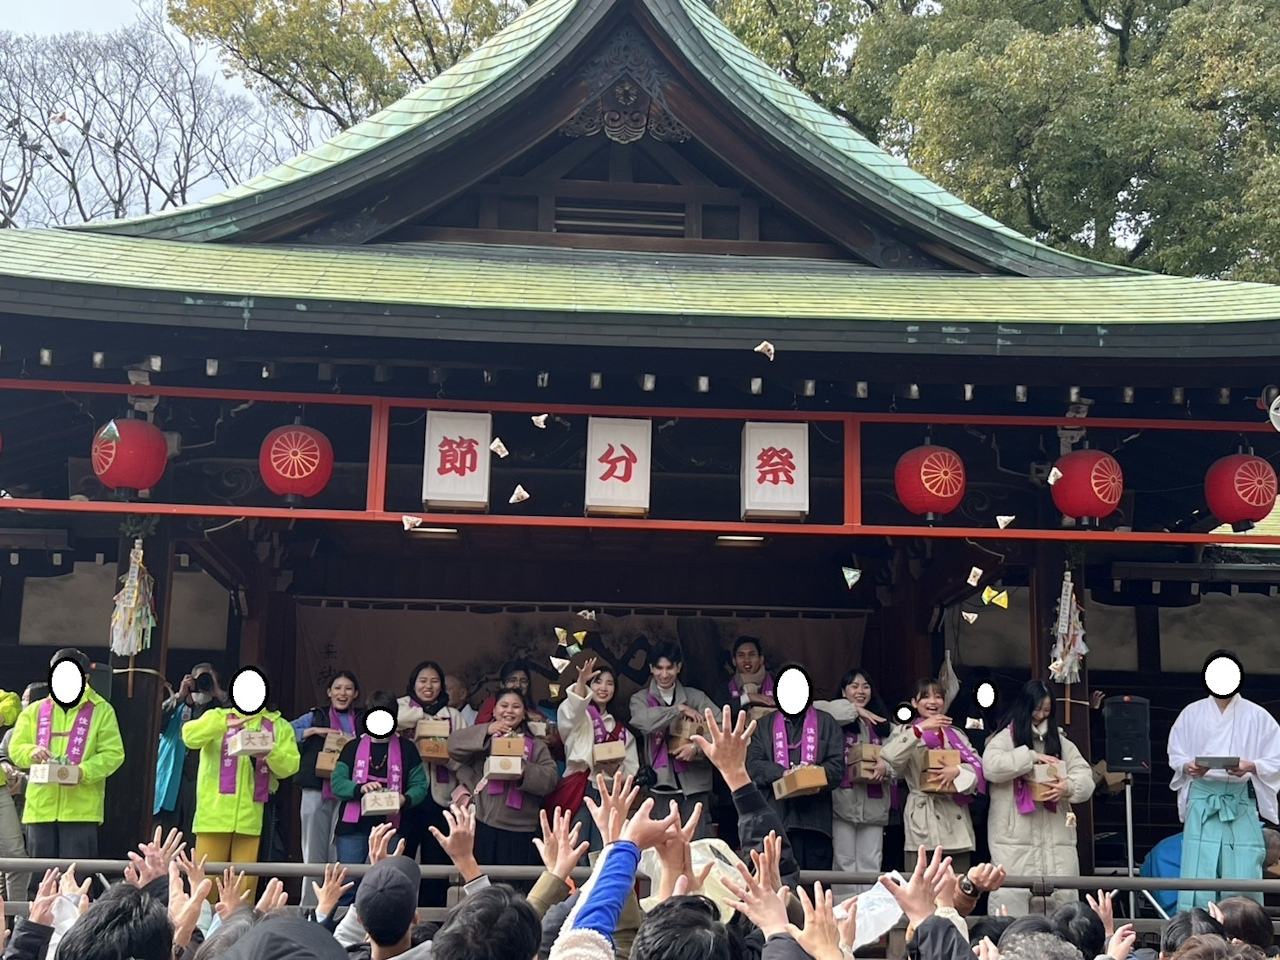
(608, 328)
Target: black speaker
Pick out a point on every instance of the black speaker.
(1128, 721)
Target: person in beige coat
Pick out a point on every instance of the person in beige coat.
(1029, 838)
(935, 819)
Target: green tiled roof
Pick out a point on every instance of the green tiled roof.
(514, 280)
(541, 38)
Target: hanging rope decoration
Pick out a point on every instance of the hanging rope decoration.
(1069, 648)
(134, 616)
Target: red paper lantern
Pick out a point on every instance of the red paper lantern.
(1090, 486)
(129, 455)
(1240, 489)
(929, 480)
(295, 462)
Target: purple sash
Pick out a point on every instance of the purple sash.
(602, 735)
(766, 688)
(808, 741)
(79, 736)
(934, 740)
(514, 798)
(231, 767)
(335, 721)
(1022, 793)
(658, 745)
(360, 776)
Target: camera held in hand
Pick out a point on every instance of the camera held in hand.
(204, 683)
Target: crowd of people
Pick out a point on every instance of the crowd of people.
(561, 809)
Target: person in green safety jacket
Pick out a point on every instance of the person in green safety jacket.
(13, 886)
(231, 792)
(62, 820)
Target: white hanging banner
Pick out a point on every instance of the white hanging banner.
(618, 465)
(775, 471)
(455, 474)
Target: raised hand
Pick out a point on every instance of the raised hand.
(820, 937)
(195, 871)
(986, 950)
(987, 876)
(726, 747)
(1122, 943)
(761, 906)
(460, 843)
(847, 922)
(616, 799)
(918, 896)
(559, 846)
(586, 673)
(330, 892)
(232, 892)
(767, 863)
(41, 910)
(644, 831)
(171, 847)
(937, 722)
(1103, 908)
(379, 840)
(184, 909)
(274, 897)
(69, 888)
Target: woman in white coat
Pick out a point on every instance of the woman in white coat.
(585, 723)
(1030, 838)
(860, 810)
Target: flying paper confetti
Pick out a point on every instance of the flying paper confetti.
(1054, 476)
(974, 576)
(499, 447)
(973, 723)
(581, 636)
(851, 576)
(411, 522)
(519, 495)
(766, 348)
(969, 617)
(555, 690)
(110, 433)
(540, 421)
(562, 635)
(586, 614)
(1003, 522)
(1001, 600)
(987, 594)
(559, 665)
(573, 649)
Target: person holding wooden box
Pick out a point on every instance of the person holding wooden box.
(427, 699)
(943, 773)
(322, 732)
(861, 803)
(797, 762)
(1034, 774)
(594, 741)
(62, 815)
(509, 772)
(666, 714)
(245, 750)
(388, 764)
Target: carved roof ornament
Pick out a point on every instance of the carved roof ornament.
(626, 81)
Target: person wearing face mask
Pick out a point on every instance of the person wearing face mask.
(585, 722)
(507, 811)
(320, 807)
(177, 767)
(685, 775)
(860, 810)
(752, 686)
(428, 697)
(372, 763)
(1027, 837)
(933, 819)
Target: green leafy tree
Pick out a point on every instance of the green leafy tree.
(341, 60)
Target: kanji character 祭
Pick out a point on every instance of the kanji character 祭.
(457, 456)
(775, 466)
(619, 464)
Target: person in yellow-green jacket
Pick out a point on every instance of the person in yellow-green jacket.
(232, 791)
(62, 820)
(13, 886)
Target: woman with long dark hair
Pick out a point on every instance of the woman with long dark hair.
(860, 809)
(425, 699)
(1030, 837)
(939, 816)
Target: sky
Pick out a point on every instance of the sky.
(55, 16)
